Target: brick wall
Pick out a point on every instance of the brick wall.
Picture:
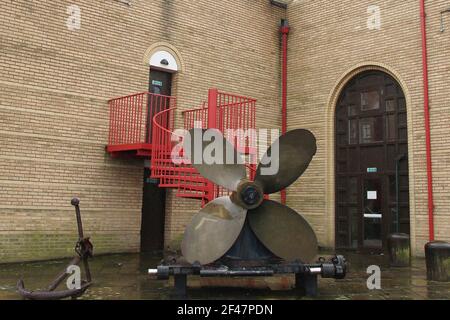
(326, 44)
(55, 84)
(54, 88)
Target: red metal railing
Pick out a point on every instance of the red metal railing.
(162, 166)
(166, 150)
(230, 112)
(236, 118)
(144, 122)
(196, 118)
(130, 118)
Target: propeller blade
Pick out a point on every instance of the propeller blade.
(296, 149)
(283, 231)
(217, 168)
(213, 231)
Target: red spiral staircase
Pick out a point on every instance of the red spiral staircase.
(143, 125)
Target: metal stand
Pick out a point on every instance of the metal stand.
(305, 274)
(306, 284)
(180, 286)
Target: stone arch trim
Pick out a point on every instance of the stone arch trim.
(330, 149)
(164, 46)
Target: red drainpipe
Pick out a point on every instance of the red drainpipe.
(427, 120)
(284, 30)
(212, 124)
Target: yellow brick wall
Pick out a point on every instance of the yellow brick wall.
(326, 43)
(54, 88)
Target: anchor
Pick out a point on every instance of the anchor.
(84, 251)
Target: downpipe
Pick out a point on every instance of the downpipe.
(284, 30)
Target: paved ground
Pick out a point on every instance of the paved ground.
(124, 277)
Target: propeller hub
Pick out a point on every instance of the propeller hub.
(248, 195)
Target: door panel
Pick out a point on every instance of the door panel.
(373, 212)
(153, 215)
(160, 84)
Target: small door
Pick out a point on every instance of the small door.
(161, 85)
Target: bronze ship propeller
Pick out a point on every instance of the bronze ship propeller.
(245, 224)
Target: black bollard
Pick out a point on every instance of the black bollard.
(399, 250)
(437, 254)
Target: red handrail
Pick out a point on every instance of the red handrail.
(141, 93)
(158, 115)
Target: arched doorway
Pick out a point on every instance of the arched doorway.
(164, 62)
(371, 166)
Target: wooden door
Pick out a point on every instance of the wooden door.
(372, 192)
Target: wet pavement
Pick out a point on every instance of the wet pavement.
(124, 276)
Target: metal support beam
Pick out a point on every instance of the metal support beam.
(180, 285)
(306, 284)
